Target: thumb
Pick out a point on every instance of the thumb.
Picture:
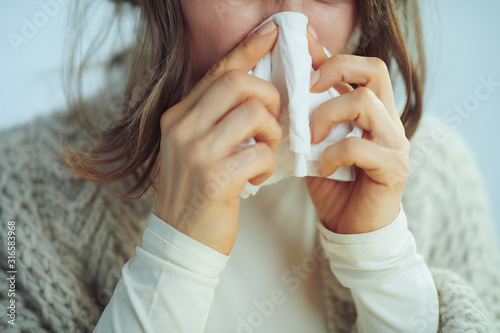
(315, 48)
(243, 57)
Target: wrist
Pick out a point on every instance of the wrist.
(364, 222)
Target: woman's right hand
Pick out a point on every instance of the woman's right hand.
(201, 174)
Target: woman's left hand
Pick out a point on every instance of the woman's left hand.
(381, 156)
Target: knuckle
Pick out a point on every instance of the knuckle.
(249, 47)
(337, 59)
(349, 148)
(275, 97)
(235, 79)
(366, 96)
(275, 92)
(167, 118)
(256, 111)
(405, 145)
(218, 69)
(276, 128)
(320, 116)
(380, 66)
(264, 152)
(164, 122)
(272, 129)
(272, 164)
(403, 128)
(403, 164)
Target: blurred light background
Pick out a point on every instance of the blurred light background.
(462, 45)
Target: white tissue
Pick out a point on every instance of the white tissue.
(288, 66)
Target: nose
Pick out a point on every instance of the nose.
(276, 6)
(291, 5)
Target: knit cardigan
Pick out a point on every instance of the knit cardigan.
(73, 236)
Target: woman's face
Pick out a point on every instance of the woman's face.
(215, 27)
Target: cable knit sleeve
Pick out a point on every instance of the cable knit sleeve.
(43, 301)
(168, 286)
(72, 236)
(389, 281)
(450, 216)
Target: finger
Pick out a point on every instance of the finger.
(383, 165)
(316, 51)
(227, 93)
(243, 57)
(250, 119)
(365, 109)
(343, 88)
(255, 164)
(363, 71)
(319, 56)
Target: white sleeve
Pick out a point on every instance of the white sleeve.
(167, 287)
(390, 283)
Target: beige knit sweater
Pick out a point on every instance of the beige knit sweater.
(74, 236)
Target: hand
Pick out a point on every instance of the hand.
(201, 174)
(381, 156)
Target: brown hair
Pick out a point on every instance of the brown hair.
(158, 72)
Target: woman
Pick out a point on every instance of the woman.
(184, 113)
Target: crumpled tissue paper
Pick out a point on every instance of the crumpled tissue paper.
(289, 66)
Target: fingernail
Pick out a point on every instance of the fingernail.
(266, 29)
(312, 32)
(315, 78)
